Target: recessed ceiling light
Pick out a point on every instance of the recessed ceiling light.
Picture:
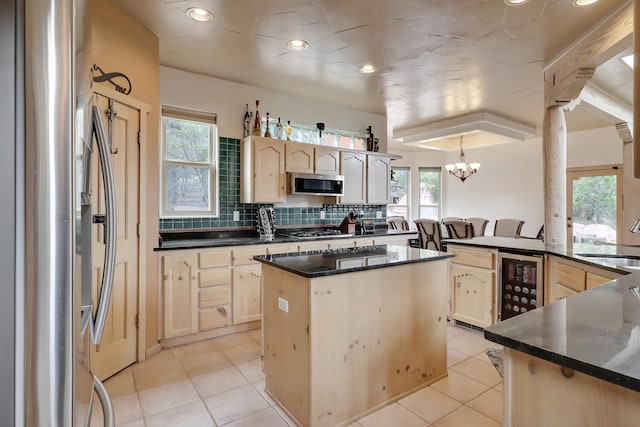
(199, 14)
(583, 2)
(368, 69)
(297, 44)
(515, 2)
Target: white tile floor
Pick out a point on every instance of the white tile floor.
(218, 382)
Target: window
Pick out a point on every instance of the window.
(399, 193)
(330, 137)
(189, 181)
(430, 191)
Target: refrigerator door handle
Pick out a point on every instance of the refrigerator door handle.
(105, 402)
(110, 231)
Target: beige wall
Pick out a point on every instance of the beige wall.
(115, 42)
(510, 180)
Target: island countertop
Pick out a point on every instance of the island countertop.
(345, 260)
(596, 332)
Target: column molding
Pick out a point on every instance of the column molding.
(554, 141)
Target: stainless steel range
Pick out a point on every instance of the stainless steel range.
(316, 234)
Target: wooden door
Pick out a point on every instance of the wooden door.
(299, 157)
(473, 291)
(353, 167)
(327, 161)
(247, 305)
(180, 290)
(269, 172)
(378, 179)
(119, 342)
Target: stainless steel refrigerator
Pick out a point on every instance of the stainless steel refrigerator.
(47, 129)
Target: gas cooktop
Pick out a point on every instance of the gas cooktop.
(316, 234)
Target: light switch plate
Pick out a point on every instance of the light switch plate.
(236, 215)
(322, 215)
(283, 305)
(378, 214)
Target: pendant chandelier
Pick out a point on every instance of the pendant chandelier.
(462, 169)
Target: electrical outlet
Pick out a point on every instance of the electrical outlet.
(322, 215)
(378, 214)
(236, 215)
(283, 305)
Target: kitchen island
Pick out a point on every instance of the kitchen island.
(350, 330)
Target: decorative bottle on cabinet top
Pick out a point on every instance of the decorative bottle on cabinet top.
(289, 130)
(267, 132)
(247, 122)
(256, 122)
(278, 130)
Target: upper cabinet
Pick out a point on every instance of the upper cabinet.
(266, 161)
(263, 165)
(327, 160)
(299, 157)
(378, 179)
(353, 167)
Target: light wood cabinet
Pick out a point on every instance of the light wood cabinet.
(180, 295)
(353, 166)
(299, 157)
(402, 240)
(327, 161)
(378, 178)
(567, 277)
(472, 276)
(246, 294)
(263, 165)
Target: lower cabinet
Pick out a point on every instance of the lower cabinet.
(247, 303)
(180, 294)
(472, 294)
(472, 279)
(566, 277)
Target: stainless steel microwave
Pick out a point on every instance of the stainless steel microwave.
(313, 184)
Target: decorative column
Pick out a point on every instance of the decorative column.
(554, 142)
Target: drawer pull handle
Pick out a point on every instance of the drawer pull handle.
(222, 310)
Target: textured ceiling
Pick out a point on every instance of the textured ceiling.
(436, 59)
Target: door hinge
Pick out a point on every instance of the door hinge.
(137, 321)
(138, 229)
(139, 137)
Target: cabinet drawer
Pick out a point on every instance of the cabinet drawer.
(594, 280)
(315, 246)
(474, 258)
(215, 317)
(213, 259)
(218, 276)
(570, 277)
(245, 256)
(219, 295)
(561, 292)
(282, 249)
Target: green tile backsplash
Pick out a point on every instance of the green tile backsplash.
(285, 217)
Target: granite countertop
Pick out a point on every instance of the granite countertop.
(339, 261)
(596, 332)
(196, 240)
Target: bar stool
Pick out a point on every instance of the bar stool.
(459, 229)
(508, 227)
(479, 225)
(397, 223)
(429, 233)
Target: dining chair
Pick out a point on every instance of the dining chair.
(397, 223)
(508, 227)
(459, 229)
(445, 232)
(479, 225)
(429, 233)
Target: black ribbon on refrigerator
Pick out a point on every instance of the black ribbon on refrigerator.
(110, 77)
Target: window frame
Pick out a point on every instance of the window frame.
(212, 164)
(439, 205)
(408, 204)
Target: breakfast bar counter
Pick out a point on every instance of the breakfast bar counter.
(348, 331)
